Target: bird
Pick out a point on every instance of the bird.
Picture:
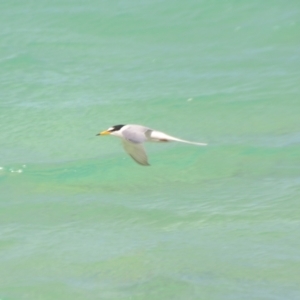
(133, 136)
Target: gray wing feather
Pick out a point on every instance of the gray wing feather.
(136, 151)
(135, 135)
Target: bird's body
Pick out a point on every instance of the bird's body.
(133, 137)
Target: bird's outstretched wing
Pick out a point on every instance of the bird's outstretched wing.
(160, 136)
(135, 135)
(136, 151)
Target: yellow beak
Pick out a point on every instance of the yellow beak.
(105, 132)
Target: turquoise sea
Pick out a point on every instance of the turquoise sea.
(80, 220)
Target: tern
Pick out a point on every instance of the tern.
(133, 136)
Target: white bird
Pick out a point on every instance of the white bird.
(133, 137)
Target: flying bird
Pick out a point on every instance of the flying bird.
(133, 137)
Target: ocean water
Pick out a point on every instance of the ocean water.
(80, 220)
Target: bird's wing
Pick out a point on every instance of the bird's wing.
(160, 136)
(136, 151)
(135, 134)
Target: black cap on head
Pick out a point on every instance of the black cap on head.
(116, 128)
